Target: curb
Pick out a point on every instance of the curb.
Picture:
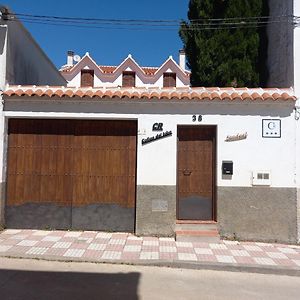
(227, 267)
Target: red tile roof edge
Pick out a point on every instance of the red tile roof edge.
(149, 71)
(199, 93)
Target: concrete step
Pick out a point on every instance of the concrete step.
(197, 232)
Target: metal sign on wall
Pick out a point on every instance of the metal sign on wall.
(271, 128)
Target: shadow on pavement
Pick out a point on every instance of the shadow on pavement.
(17, 284)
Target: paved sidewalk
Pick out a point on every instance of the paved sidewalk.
(95, 246)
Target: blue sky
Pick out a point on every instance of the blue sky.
(106, 46)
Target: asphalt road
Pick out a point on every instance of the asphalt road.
(34, 279)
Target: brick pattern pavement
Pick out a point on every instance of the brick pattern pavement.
(125, 247)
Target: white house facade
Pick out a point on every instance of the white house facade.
(131, 148)
(218, 156)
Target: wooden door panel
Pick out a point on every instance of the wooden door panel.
(72, 164)
(102, 157)
(195, 173)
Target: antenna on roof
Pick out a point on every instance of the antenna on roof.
(76, 58)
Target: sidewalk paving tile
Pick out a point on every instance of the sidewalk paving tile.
(51, 238)
(130, 256)
(93, 254)
(132, 248)
(206, 258)
(203, 251)
(252, 248)
(74, 252)
(4, 248)
(239, 253)
(150, 243)
(98, 246)
(187, 256)
(167, 249)
(111, 247)
(168, 256)
(225, 259)
(27, 243)
(185, 250)
(117, 241)
(296, 261)
(94, 246)
(62, 245)
(264, 261)
(37, 250)
(111, 255)
(218, 246)
(276, 255)
(287, 250)
(149, 255)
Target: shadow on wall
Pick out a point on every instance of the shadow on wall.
(2, 38)
(280, 109)
(16, 284)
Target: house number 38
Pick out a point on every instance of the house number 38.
(197, 118)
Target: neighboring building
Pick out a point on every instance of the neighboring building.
(22, 61)
(86, 73)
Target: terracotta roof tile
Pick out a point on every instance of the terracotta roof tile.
(107, 69)
(276, 96)
(215, 95)
(256, 96)
(149, 70)
(245, 96)
(193, 94)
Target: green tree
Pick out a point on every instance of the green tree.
(221, 49)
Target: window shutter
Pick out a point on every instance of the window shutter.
(169, 79)
(87, 77)
(128, 79)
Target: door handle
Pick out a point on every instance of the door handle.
(187, 172)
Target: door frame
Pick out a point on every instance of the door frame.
(214, 171)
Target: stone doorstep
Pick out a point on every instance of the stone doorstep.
(197, 232)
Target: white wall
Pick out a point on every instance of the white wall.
(26, 63)
(3, 47)
(156, 161)
(76, 81)
(296, 50)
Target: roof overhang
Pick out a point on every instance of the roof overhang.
(182, 94)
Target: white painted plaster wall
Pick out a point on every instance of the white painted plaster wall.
(156, 161)
(26, 63)
(3, 47)
(297, 85)
(75, 82)
(296, 54)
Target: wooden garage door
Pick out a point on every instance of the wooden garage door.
(80, 166)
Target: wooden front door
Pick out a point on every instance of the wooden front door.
(196, 173)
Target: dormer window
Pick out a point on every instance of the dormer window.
(87, 78)
(128, 79)
(169, 79)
